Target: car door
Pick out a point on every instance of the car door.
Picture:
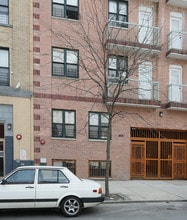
(52, 185)
(18, 190)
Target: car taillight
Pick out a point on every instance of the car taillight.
(100, 190)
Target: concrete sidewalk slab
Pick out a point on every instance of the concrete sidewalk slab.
(148, 190)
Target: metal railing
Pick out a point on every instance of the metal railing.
(132, 33)
(177, 93)
(177, 40)
(136, 89)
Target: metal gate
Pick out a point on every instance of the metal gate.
(158, 158)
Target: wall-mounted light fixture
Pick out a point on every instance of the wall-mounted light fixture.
(9, 126)
(161, 114)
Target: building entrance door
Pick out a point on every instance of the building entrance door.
(1, 157)
(2, 150)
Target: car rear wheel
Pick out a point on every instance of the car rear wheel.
(71, 206)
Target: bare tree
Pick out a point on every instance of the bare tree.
(100, 40)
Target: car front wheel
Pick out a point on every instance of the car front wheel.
(71, 206)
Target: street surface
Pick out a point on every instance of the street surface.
(122, 211)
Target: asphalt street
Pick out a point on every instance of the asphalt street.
(118, 211)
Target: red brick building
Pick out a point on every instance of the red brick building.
(146, 43)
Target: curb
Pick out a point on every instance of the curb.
(141, 201)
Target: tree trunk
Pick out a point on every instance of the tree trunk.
(107, 193)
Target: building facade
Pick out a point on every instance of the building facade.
(16, 84)
(139, 44)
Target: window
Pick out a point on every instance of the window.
(70, 164)
(21, 177)
(98, 168)
(3, 11)
(63, 124)
(4, 67)
(117, 70)
(118, 13)
(51, 176)
(65, 63)
(65, 9)
(98, 125)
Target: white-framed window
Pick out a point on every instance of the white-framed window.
(4, 11)
(4, 67)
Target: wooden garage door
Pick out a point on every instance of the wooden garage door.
(179, 164)
(137, 159)
(158, 160)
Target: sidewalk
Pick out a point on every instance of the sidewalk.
(146, 190)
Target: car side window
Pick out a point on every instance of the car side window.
(21, 177)
(51, 176)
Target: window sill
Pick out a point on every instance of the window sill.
(65, 77)
(64, 139)
(6, 25)
(97, 140)
(66, 19)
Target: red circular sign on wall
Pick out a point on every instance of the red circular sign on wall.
(19, 136)
(42, 141)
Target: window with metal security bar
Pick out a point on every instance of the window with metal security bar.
(63, 123)
(65, 9)
(97, 168)
(65, 63)
(4, 67)
(118, 13)
(70, 164)
(98, 125)
(4, 11)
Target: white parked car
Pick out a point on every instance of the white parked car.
(48, 187)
